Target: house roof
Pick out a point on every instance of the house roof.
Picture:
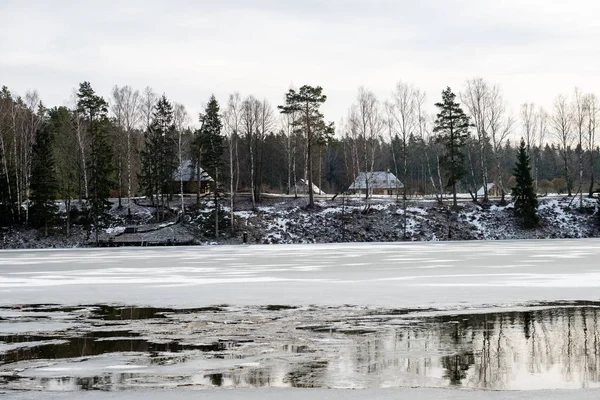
(302, 187)
(376, 180)
(490, 186)
(187, 171)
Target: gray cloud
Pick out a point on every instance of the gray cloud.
(190, 49)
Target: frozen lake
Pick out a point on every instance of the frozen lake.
(473, 315)
(391, 275)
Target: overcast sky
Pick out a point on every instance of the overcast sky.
(190, 49)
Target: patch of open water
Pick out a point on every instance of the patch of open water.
(115, 348)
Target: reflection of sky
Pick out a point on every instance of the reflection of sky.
(561, 352)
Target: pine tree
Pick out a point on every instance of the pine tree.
(159, 157)
(453, 126)
(306, 102)
(100, 162)
(212, 152)
(44, 186)
(523, 193)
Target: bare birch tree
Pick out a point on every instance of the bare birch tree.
(367, 122)
(542, 130)
(579, 116)
(591, 110)
(405, 104)
(32, 122)
(181, 121)
(500, 126)
(83, 141)
(126, 107)
(232, 124)
(249, 119)
(529, 123)
(561, 121)
(477, 98)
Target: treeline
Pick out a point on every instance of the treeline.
(131, 142)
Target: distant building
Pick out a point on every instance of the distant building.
(491, 189)
(301, 187)
(378, 183)
(189, 172)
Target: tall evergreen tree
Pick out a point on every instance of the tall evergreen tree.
(44, 186)
(524, 192)
(100, 162)
(159, 157)
(306, 103)
(453, 127)
(212, 152)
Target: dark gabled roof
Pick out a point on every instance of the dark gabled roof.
(376, 180)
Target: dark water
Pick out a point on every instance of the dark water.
(541, 347)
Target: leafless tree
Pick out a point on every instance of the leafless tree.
(477, 98)
(367, 123)
(542, 130)
(591, 110)
(181, 121)
(265, 123)
(253, 120)
(529, 120)
(406, 108)
(232, 124)
(148, 102)
(33, 121)
(83, 142)
(579, 116)
(500, 126)
(561, 121)
(126, 106)
(6, 105)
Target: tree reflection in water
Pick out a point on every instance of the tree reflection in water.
(546, 348)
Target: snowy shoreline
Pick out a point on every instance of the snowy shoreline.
(285, 220)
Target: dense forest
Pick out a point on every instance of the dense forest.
(130, 142)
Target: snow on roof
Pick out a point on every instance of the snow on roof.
(302, 187)
(187, 171)
(376, 180)
(490, 186)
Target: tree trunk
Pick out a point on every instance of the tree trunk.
(128, 173)
(181, 176)
(252, 172)
(216, 197)
(16, 155)
(7, 175)
(231, 192)
(82, 150)
(500, 184)
(439, 175)
(566, 169)
(68, 207)
(404, 176)
(198, 179)
(591, 189)
(473, 178)
(580, 173)
(309, 139)
(484, 171)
